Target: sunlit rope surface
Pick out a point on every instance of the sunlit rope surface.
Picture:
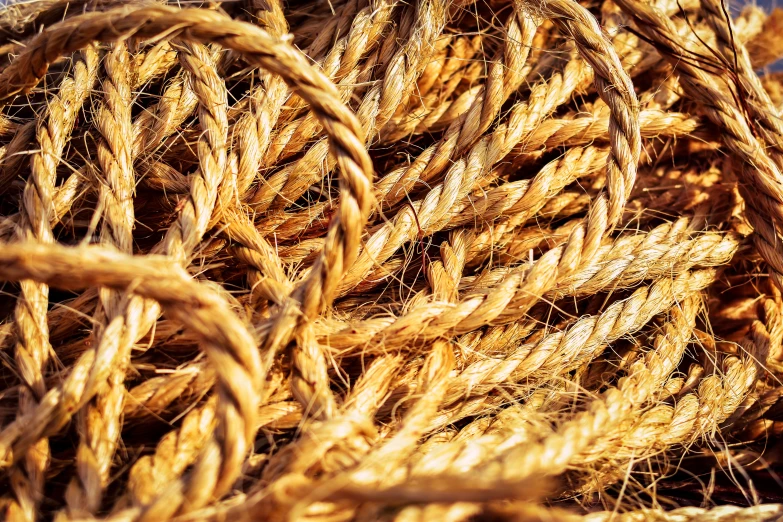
(380, 260)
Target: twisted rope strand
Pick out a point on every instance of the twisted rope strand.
(238, 346)
(222, 457)
(100, 420)
(32, 348)
(765, 176)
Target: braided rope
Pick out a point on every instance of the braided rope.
(510, 316)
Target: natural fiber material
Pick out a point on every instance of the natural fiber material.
(390, 261)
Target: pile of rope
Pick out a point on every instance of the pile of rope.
(368, 260)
